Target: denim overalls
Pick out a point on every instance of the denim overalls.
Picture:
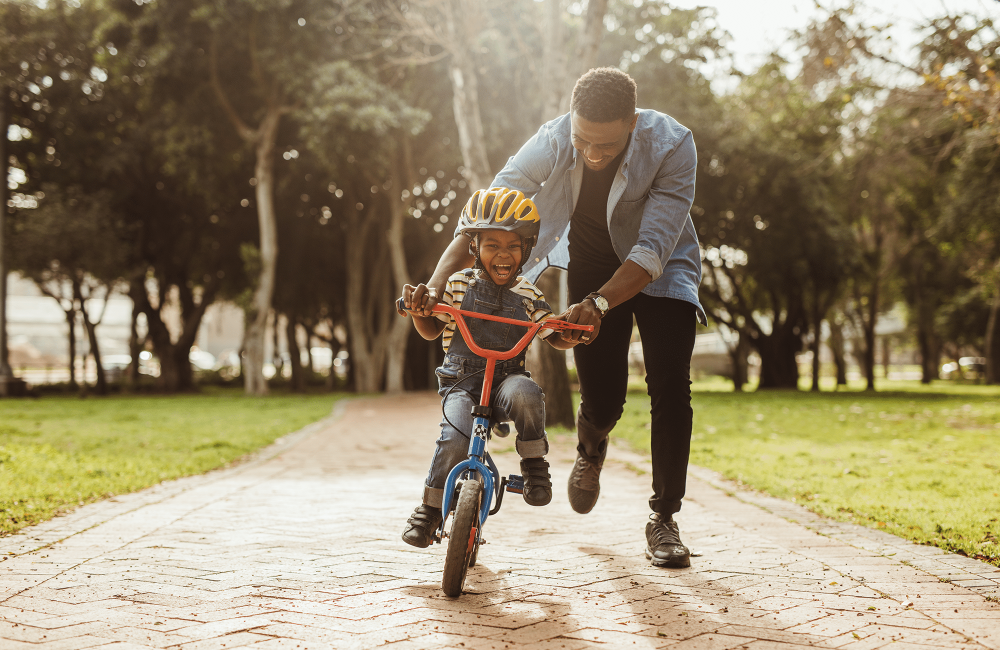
(514, 397)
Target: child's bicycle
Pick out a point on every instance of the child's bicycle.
(474, 484)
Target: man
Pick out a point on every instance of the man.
(614, 187)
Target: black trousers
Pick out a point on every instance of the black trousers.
(667, 330)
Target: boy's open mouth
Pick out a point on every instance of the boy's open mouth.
(502, 271)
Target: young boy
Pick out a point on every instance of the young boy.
(503, 225)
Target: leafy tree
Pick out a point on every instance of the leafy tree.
(764, 213)
(25, 69)
(960, 67)
(68, 247)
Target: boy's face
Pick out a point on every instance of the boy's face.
(500, 253)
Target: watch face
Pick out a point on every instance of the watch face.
(602, 303)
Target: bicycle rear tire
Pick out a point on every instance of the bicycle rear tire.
(462, 541)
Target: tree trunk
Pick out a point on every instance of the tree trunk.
(930, 354)
(739, 355)
(175, 364)
(364, 282)
(101, 383)
(6, 373)
(294, 354)
(548, 365)
(71, 323)
(134, 349)
(276, 359)
(817, 327)
(591, 35)
(555, 78)
(815, 345)
(468, 119)
(399, 328)
(993, 343)
(869, 333)
(837, 350)
(778, 368)
(267, 134)
(310, 362)
(886, 356)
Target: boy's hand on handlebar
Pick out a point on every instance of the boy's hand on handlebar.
(582, 313)
(419, 299)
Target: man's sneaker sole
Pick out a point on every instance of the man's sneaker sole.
(673, 563)
(580, 500)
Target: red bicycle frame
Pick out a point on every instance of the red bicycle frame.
(492, 356)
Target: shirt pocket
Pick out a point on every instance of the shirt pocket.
(634, 195)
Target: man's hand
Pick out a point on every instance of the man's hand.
(582, 313)
(419, 299)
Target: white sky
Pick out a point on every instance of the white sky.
(759, 26)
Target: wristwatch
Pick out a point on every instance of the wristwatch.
(600, 302)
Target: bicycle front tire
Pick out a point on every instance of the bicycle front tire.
(462, 541)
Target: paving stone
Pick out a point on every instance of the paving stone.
(299, 548)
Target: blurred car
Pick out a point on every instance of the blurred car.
(969, 367)
(201, 360)
(115, 365)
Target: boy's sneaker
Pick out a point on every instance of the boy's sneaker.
(584, 484)
(663, 543)
(537, 482)
(421, 525)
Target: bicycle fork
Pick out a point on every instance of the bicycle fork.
(475, 466)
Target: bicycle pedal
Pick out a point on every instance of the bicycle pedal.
(515, 484)
(501, 429)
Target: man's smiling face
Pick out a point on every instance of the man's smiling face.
(500, 253)
(600, 142)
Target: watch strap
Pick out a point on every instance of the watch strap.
(597, 299)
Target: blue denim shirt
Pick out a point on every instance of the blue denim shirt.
(648, 208)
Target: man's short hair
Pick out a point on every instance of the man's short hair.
(604, 95)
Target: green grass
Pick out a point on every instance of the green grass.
(59, 452)
(920, 462)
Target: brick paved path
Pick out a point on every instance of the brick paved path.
(300, 549)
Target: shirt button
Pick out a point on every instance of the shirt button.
(522, 363)
(557, 239)
(537, 260)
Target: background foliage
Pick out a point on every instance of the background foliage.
(306, 157)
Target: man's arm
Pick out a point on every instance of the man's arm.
(627, 281)
(455, 258)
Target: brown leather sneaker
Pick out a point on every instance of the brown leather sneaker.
(663, 543)
(537, 482)
(421, 526)
(584, 484)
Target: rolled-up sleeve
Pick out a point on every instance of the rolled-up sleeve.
(667, 207)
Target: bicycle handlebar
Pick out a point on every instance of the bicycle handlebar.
(496, 355)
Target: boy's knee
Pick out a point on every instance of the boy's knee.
(528, 395)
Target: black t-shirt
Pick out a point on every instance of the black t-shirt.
(590, 249)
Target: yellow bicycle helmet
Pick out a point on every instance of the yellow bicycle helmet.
(499, 208)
